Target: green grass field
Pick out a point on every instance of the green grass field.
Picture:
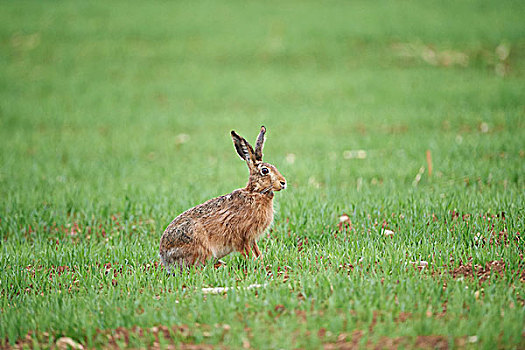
(115, 117)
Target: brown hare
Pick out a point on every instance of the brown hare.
(233, 222)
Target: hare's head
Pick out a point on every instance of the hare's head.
(264, 177)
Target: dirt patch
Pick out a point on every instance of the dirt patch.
(481, 272)
(158, 337)
(391, 343)
(432, 342)
(345, 342)
(403, 317)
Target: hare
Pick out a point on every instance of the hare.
(233, 222)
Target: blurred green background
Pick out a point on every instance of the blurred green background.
(94, 95)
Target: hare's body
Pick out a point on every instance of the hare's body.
(233, 222)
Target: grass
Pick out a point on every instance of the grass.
(94, 99)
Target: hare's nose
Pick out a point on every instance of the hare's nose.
(283, 184)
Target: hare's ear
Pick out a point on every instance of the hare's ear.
(243, 148)
(259, 144)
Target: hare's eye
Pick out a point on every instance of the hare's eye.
(265, 171)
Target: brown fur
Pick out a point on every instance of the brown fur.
(233, 222)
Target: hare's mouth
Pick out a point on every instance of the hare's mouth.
(280, 186)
